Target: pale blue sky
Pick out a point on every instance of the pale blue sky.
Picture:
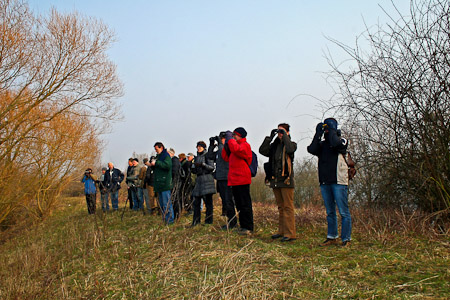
(194, 68)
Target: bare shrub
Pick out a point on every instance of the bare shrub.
(394, 99)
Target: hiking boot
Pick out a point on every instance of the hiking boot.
(287, 239)
(328, 242)
(276, 236)
(346, 244)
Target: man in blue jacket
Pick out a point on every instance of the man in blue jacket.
(333, 178)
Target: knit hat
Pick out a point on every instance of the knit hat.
(201, 143)
(190, 154)
(240, 132)
(331, 122)
(222, 134)
(136, 159)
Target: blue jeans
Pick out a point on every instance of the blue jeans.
(105, 202)
(166, 206)
(114, 199)
(337, 194)
(146, 199)
(139, 203)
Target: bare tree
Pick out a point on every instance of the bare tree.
(395, 100)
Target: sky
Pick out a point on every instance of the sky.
(193, 68)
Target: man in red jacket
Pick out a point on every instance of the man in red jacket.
(238, 154)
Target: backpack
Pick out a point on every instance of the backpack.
(351, 165)
(253, 166)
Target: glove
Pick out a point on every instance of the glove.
(273, 133)
(282, 131)
(198, 164)
(319, 129)
(212, 140)
(228, 136)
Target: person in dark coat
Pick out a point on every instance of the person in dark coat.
(333, 179)
(163, 181)
(176, 182)
(221, 174)
(130, 170)
(281, 177)
(113, 179)
(204, 184)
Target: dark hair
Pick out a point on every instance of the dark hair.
(201, 143)
(159, 145)
(285, 126)
(130, 159)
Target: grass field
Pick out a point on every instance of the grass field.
(72, 255)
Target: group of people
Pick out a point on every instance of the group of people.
(168, 184)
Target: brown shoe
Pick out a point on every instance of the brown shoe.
(346, 244)
(328, 242)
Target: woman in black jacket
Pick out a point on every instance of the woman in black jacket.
(204, 184)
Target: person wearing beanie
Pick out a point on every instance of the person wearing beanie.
(333, 179)
(204, 185)
(280, 175)
(238, 153)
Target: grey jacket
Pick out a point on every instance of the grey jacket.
(203, 168)
(221, 165)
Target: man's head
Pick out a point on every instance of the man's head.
(283, 127)
(171, 152)
(182, 156)
(135, 162)
(145, 161)
(130, 161)
(190, 156)
(239, 133)
(159, 147)
(103, 170)
(110, 165)
(222, 136)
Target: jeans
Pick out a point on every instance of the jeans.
(105, 202)
(166, 206)
(139, 204)
(146, 199)
(337, 194)
(114, 199)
